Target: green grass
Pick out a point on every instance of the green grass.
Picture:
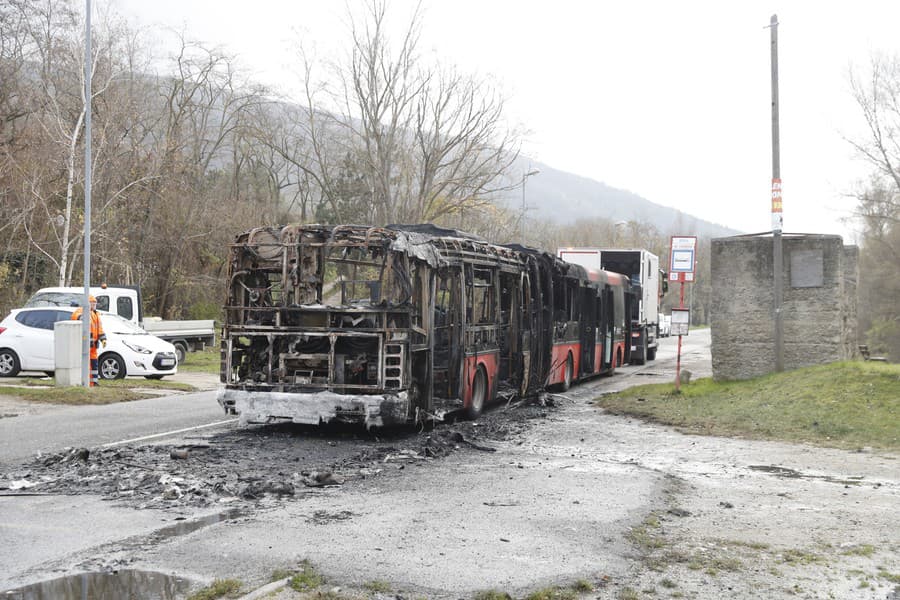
(492, 595)
(627, 593)
(553, 593)
(75, 395)
(279, 574)
(220, 588)
(844, 405)
(866, 550)
(306, 578)
(377, 586)
(206, 361)
(108, 392)
(885, 574)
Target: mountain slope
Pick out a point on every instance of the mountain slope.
(555, 195)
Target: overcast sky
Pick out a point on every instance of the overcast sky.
(670, 100)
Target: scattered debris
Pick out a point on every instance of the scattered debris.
(21, 484)
(321, 479)
(323, 517)
(246, 465)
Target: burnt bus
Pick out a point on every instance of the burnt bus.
(403, 324)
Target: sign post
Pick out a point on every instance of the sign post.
(682, 260)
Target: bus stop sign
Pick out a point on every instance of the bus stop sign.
(682, 257)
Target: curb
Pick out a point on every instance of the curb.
(266, 589)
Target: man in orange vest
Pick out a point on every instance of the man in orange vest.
(97, 337)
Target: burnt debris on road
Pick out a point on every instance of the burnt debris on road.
(248, 464)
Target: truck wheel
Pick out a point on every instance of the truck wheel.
(651, 354)
(112, 367)
(9, 363)
(180, 351)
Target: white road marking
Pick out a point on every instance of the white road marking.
(168, 433)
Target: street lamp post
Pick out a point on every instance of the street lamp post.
(619, 226)
(522, 219)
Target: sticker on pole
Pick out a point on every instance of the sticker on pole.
(682, 258)
(777, 205)
(681, 321)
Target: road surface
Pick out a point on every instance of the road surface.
(571, 493)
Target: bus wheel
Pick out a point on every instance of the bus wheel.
(567, 378)
(479, 393)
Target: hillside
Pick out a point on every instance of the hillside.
(563, 197)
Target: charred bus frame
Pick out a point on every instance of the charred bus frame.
(402, 324)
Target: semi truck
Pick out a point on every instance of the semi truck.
(648, 284)
(125, 301)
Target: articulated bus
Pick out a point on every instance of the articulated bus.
(406, 323)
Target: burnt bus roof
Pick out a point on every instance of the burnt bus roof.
(435, 231)
(446, 245)
(436, 245)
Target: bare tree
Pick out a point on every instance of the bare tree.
(429, 141)
(877, 93)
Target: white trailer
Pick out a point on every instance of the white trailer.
(642, 268)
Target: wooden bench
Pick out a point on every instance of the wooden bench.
(864, 351)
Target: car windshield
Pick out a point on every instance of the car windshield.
(116, 324)
(45, 299)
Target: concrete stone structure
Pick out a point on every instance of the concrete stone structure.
(820, 303)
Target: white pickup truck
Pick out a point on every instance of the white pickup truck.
(125, 301)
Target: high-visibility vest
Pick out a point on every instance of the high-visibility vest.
(96, 328)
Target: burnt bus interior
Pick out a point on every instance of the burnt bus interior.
(398, 312)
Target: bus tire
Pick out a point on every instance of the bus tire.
(567, 377)
(479, 394)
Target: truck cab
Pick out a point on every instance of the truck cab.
(118, 300)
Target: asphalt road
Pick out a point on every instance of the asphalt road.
(553, 508)
(25, 435)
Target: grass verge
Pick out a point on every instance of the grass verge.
(205, 361)
(108, 392)
(220, 588)
(844, 405)
(75, 395)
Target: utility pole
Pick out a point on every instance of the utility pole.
(525, 177)
(86, 305)
(778, 249)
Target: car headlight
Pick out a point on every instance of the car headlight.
(136, 348)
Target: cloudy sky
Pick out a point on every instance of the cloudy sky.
(670, 100)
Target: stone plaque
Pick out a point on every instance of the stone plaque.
(807, 269)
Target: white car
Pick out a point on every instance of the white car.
(26, 344)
